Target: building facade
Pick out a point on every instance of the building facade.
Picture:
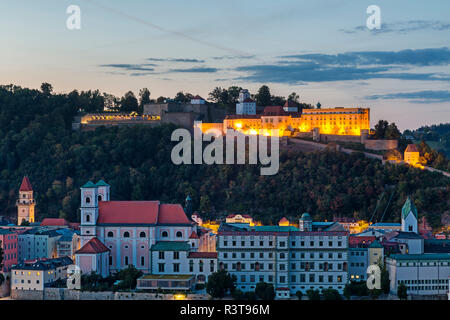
(8, 243)
(284, 256)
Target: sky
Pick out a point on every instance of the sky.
(322, 50)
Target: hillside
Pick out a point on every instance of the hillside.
(36, 140)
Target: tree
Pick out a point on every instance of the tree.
(263, 97)
(385, 282)
(318, 105)
(265, 291)
(129, 102)
(402, 291)
(144, 98)
(313, 294)
(299, 295)
(25, 223)
(233, 94)
(392, 131)
(220, 283)
(46, 88)
(128, 277)
(331, 294)
(182, 97)
(219, 95)
(380, 129)
(294, 97)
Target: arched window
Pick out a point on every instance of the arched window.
(88, 200)
(110, 234)
(99, 197)
(164, 234)
(110, 261)
(126, 260)
(142, 234)
(88, 218)
(179, 234)
(126, 234)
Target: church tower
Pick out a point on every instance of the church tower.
(25, 203)
(89, 210)
(409, 217)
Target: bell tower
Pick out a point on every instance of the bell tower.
(25, 203)
(89, 211)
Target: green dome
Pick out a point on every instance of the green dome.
(305, 216)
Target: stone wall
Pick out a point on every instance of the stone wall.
(381, 144)
(339, 138)
(66, 294)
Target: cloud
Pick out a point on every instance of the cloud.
(129, 67)
(176, 60)
(418, 57)
(430, 96)
(402, 27)
(234, 57)
(364, 65)
(196, 70)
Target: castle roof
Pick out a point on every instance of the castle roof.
(26, 185)
(409, 207)
(93, 246)
(411, 148)
(274, 111)
(140, 212)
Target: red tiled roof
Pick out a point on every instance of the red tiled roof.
(54, 222)
(193, 235)
(411, 148)
(93, 246)
(172, 214)
(274, 111)
(207, 255)
(128, 212)
(26, 185)
(140, 212)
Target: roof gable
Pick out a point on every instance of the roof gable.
(26, 185)
(409, 207)
(93, 246)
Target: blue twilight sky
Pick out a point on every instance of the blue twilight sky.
(320, 49)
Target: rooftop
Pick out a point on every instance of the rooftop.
(167, 277)
(421, 257)
(171, 246)
(44, 264)
(93, 246)
(26, 185)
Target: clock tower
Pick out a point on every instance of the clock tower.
(25, 203)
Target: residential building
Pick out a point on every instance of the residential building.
(411, 155)
(36, 274)
(423, 274)
(36, 243)
(8, 243)
(286, 256)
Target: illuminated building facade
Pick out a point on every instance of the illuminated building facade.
(25, 203)
(412, 154)
(333, 121)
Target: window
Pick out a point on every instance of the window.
(110, 234)
(176, 267)
(161, 267)
(99, 197)
(164, 234)
(176, 255)
(126, 260)
(142, 234)
(142, 261)
(88, 200)
(161, 254)
(110, 261)
(179, 234)
(88, 218)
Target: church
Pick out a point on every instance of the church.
(154, 237)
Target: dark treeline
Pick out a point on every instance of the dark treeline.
(36, 140)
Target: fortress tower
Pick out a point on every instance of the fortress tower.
(25, 203)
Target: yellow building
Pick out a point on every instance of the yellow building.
(412, 154)
(336, 121)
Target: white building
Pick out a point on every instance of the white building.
(245, 105)
(423, 274)
(284, 256)
(39, 273)
(409, 217)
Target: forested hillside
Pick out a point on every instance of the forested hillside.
(36, 140)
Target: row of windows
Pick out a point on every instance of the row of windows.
(294, 278)
(423, 264)
(427, 281)
(307, 266)
(142, 234)
(282, 255)
(417, 288)
(282, 244)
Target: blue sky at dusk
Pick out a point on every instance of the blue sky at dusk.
(320, 49)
